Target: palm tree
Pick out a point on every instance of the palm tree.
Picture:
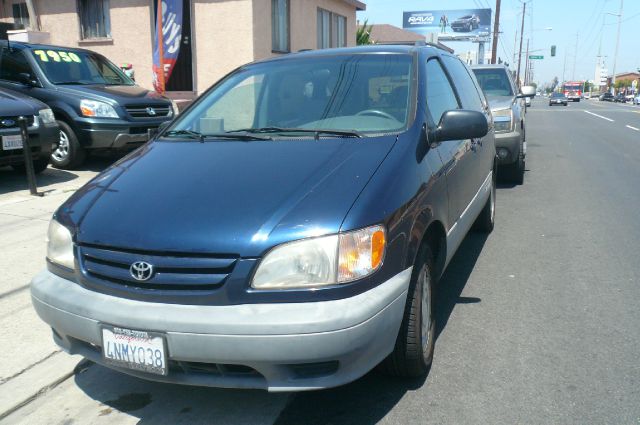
(363, 34)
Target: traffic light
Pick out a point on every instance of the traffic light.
(553, 50)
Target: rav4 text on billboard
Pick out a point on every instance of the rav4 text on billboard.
(463, 24)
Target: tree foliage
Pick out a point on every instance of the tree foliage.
(363, 34)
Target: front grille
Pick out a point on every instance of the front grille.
(148, 111)
(171, 272)
(11, 123)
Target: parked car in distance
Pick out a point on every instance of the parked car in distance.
(558, 98)
(619, 98)
(509, 118)
(95, 104)
(606, 97)
(295, 240)
(586, 95)
(636, 100)
(42, 129)
(527, 101)
(465, 23)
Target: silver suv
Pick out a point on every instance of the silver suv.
(509, 117)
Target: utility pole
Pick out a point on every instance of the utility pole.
(515, 44)
(564, 67)
(496, 27)
(615, 55)
(575, 57)
(524, 9)
(526, 66)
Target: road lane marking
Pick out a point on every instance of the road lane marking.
(599, 116)
(633, 128)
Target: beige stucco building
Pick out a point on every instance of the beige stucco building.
(217, 35)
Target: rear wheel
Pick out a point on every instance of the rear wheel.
(413, 352)
(69, 153)
(485, 221)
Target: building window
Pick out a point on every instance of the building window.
(280, 25)
(332, 29)
(94, 19)
(21, 14)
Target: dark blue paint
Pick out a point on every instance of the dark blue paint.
(240, 199)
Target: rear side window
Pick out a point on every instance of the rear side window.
(12, 64)
(466, 88)
(440, 94)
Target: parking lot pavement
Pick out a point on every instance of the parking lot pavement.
(29, 360)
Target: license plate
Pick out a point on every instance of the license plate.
(138, 350)
(11, 142)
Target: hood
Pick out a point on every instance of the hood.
(225, 197)
(13, 104)
(500, 102)
(120, 94)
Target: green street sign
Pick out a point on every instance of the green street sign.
(536, 57)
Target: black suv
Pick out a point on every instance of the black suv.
(312, 202)
(41, 125)
(95, 104)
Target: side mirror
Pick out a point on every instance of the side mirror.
(527, 91)
(460, 124)
(27, 79)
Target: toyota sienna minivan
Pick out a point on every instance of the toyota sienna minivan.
(286, 231)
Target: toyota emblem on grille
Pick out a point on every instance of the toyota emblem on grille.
(151, 111)
(8, 123)
(141, 270)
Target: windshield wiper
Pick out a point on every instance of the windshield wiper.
(72, 83)
(202, 137)
(316, 131)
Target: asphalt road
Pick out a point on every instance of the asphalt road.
(537, 323)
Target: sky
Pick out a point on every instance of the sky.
(567, 18)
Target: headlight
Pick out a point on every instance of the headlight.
(323, 261)
(93, 108)
(59, 245)
(174, 108)
(46, 116)
(502, 119)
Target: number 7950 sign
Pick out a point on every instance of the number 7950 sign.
(57, 56)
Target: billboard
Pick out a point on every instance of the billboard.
(462, 24)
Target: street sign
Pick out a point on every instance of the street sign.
(536, 57)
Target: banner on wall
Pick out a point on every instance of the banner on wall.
(166, 41)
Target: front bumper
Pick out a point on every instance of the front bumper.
(115, 133)
(509, 143)
(279, 347)
(41, 141)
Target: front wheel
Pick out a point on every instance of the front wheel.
(69, 153)
(413, 352)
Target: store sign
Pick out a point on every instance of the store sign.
(463, 24)
(166, 41)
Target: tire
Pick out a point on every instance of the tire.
(69, 153)
(486, 219)
(39, 165)
(515, 171)
(413, 351)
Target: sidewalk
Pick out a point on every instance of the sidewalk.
(29, 361)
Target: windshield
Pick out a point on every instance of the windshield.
(557, 95)
(572, 86)
(78, 67)
(361, 93)
(494, 82)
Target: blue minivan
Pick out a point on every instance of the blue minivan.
(286, 231)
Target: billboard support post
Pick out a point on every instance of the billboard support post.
(480, 52)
